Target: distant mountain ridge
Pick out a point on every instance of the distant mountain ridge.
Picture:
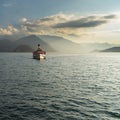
(6, 45)
(113, 49)
(60, 44)
(49, 44)
(32, 41)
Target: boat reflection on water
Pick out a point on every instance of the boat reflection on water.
(39, 54)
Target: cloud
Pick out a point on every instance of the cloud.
(80, 24)
(8, 3)
(10, 30)
(65, 25)
(69, 26)
(44, 25)
(22, 20)
(110, 16)
(86, 22)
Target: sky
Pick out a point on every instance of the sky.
(81, 21)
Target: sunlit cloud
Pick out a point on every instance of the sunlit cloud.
(22, 20)
(70, 26)
(10, 30)
(65, 24)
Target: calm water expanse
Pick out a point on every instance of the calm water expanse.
(62, 87)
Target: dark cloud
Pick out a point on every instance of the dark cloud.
(80, 24)
(109, 16)
(46, 19)
(91, 21)
(73, 35)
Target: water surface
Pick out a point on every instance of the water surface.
(62, 87)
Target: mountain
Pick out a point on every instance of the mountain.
(96, 47)
(50, 44)
(6, 45)
(23, 48)
(113, 49)
(33, 41)
(63, 45)
(60, 44)
(16, 45)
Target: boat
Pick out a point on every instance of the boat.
(39, 53)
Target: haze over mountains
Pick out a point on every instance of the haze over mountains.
(49, 44)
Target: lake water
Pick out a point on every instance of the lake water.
(62, 87)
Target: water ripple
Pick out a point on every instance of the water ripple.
(62, 87)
